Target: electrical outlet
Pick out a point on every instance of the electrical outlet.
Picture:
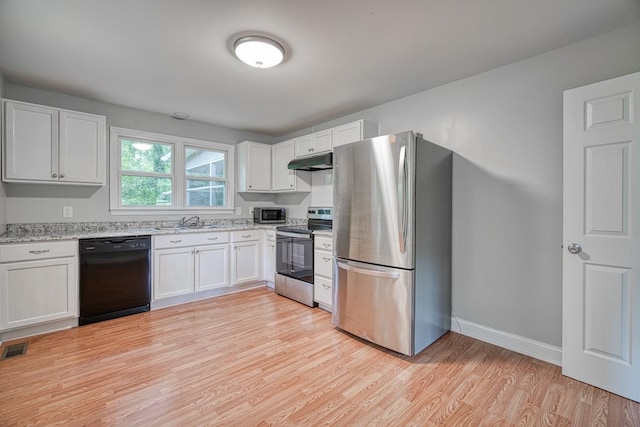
(251, 211)
(238, 210)
(67, 212)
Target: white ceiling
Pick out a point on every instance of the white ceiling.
(345, 55)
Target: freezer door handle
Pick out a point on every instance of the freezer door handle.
(368, 272)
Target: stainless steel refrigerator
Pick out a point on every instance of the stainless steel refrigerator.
(392, 241)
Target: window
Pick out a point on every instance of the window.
(154, 173)
(205, 174)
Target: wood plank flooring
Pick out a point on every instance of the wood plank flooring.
(257, 359)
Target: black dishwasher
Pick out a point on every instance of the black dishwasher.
(115, 277)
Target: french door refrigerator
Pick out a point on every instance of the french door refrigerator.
(392, 241)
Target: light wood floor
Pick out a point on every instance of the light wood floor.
(254, 358)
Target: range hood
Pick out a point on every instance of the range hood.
(313, 163)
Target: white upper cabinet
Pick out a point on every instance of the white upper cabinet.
(253, 165)
(50, 145)
(316, 143)
(282, 178)
(352, 132)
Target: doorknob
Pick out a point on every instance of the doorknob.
(574, 248)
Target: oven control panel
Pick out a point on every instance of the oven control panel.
(320, 213)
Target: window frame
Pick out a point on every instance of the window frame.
(178, 173)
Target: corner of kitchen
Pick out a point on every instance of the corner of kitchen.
(388, 213)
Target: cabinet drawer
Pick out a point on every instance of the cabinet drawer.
(271, 235)
(39, 250)
(323, 263)
(176, 240)
(212, 238)
(245, 235)
(322, 290)
(323, 243)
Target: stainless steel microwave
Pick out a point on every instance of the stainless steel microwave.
(269, 215)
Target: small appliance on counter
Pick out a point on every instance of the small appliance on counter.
(269, 215)
(294, 256)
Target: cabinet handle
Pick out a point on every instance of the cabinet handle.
(291, 185)
(250, 186)
(326, 245)
(326, 259)
(246, 236)
(212, 238)
(327, 287)
(175, 241)
(54, 175)
(44, 251)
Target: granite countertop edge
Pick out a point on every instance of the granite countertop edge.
(152, 231)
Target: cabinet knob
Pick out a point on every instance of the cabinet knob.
(291, 185)
(54, 175)
(61, 175)
(250, 186)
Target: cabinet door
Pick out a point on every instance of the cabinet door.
(270, 261)
(259, 167)
(282, 177)
(350, 132)
(212, 267)
(82, 147)
(31, 143)
(245, 262)
(172, 272)
(33, 292)
(322, 141)
(303, 146)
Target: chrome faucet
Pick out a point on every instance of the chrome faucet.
(194, 221)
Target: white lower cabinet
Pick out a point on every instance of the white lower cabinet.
(245, 256)
(173, 272)
(270, 257)
(323, 271)
(38, 283)
(187, 263)
(211, 268)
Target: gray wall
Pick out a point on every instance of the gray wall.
(43, 203)
(505, 127)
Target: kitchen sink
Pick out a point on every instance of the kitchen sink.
(186, 227)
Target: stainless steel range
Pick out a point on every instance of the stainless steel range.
(294, 256)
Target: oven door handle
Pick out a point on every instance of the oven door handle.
(295, 235)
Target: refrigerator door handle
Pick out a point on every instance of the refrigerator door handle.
(368, 272)
(402, 196)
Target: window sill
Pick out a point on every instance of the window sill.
(138, 211)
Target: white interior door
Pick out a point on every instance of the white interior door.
(601, 282)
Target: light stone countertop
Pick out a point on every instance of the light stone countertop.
(39, 236)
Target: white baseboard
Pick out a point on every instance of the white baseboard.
(536, 349)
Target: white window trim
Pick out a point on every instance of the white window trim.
(178, 173)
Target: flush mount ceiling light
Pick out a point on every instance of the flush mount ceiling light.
(258, 51)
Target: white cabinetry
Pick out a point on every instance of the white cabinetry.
(283, 179)
(38, 283)
(50, 145)
(270, 257)
(253, 165)
(245, 256)
(352, 132)
(187, 263)
(323, 271)
(316, 143)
